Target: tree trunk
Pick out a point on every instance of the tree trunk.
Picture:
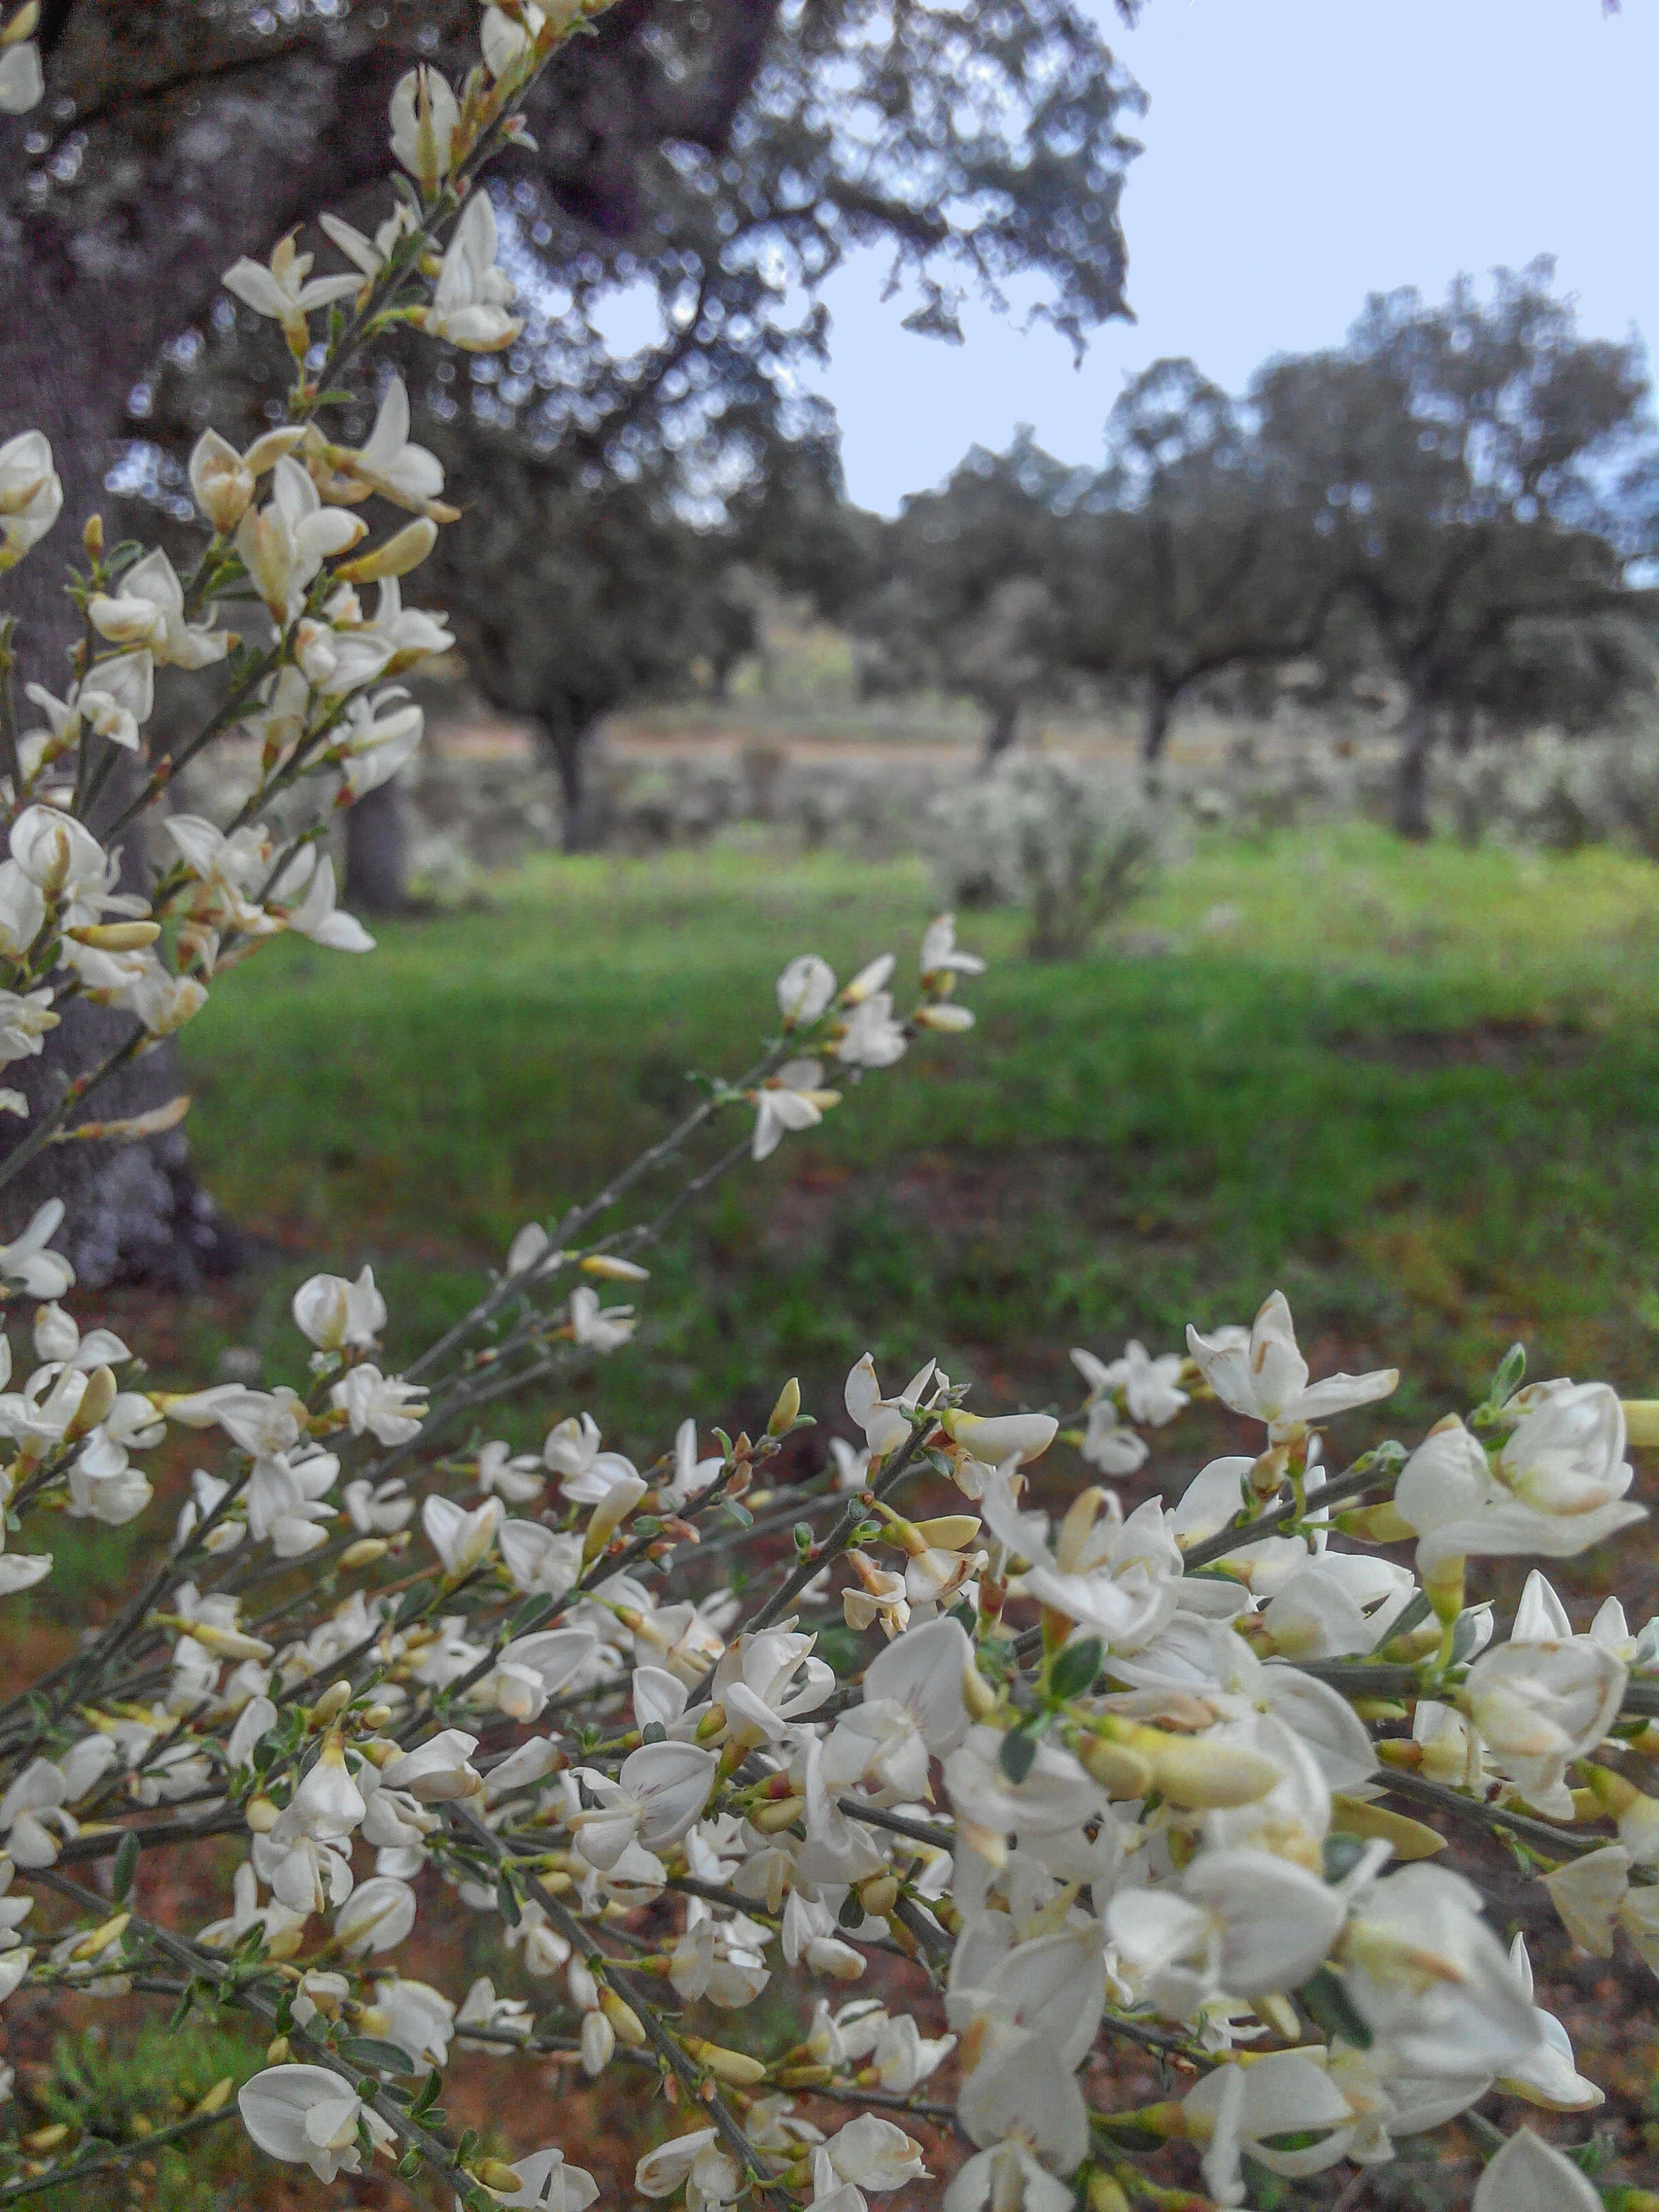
(1411, 790)
(377, 853)
(1002, 728)
(567, 735)
(1159, 713)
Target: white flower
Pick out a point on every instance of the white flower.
(1529, 2175)
(1549, 2077)
(599, 1328)
(284, 543)
(940, 955)
(309, 2117)
(31, 496)
(26, 1264)
(425, 121)
(1268, 1379)
(469, 300)
(384, 1405)
(1148, 1385)
(284, 289)
(572, 1451)
(1432, 1981)
(148, 611)
(792, 1099)
(25, 1020)
(333, 1313)
(22, 86)
(379, 1915)
(804, 990)
(1539, 1706)
(1119, 1577)
(460, 1539)
(514, 1478)
(547, 2184)
(1242, 1922)
(1246, 2107)
(1568, 1457)
(709, 2174)
(872, 1037)
(660, 1792)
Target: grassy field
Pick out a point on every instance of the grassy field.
(1416, 1089)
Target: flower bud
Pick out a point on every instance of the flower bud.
(598, 2044)
(117, 936)
(1194, 1772)
(333, 1703)
(732, 2066)
(942, 1016)
(405, 549)
(496, 2175)
(779, 1813)
(1121, 1772)
(609, 1269)
(96, 1399)
(364, 1553)
(622, 2017)
(261, 1814)
(786, 1410)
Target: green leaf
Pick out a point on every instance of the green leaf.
(740, 1514)
(1331, 2009)
(653, 1732)
(507, 1901)
(1506, 1380)
(126, 1865)
(1075, 1669)
(851, 1914)
(531, 1614)
(1342, 1855)
(374, 2050)
(415, 1602)
(1018, 1754)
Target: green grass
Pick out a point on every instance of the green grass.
(1416, 1089)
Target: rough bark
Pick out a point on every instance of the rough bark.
(1411, 790)
(377, 853)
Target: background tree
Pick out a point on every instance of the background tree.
(1185, 558)
(967, 600)
(1469, 466)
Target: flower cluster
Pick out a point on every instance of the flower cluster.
(680, 1733)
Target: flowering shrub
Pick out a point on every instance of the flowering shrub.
(1150, 1778)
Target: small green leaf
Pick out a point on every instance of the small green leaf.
(507, 1901)
(415, 1602)
(126, 1866)
(1342, 1855)
(374, 2050)
(1075, 1669)
(1017, 1755)
(653, 1732)
(1331, 2009)
(851, 1914)
(1506, 1381)
(531, 1614)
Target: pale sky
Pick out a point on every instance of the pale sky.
(1299, 153)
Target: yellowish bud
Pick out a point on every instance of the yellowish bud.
(496, 2175)
(777, 1815)
(786, 1411)
(261, 1815)
(612, 1270)
(117, 936)
(405, 549)
(92, 536)
(364, 1553)
(733, 2066)
(949, 1532)
(277, 2051)
(96, 1399)
(878, 1895)
(333, 1703)
(623, 2018)
(101, 1938)
(216, 2098)
(1641, 1421)
(1119, 1771)
(1412, 1840)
